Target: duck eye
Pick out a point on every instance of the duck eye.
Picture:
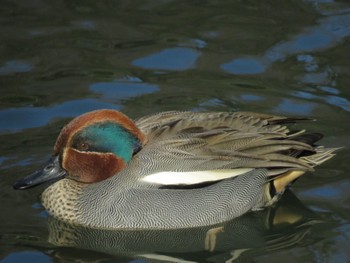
(83, 146)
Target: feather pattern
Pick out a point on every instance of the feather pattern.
(219, 141)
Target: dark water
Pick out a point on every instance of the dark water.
(60, 59)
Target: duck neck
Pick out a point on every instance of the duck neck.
(61, 199)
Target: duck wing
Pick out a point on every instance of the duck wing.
(174, 121)
(186, 148)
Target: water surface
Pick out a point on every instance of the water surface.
(60, 59)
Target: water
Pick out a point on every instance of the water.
(58, 60)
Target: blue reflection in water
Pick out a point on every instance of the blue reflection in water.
(329, 7)
(316, 78)
(330, 99)
(310, 41)
(337, 191)
(326, 34)
(215, 102)
(338, 101)
(326, 192)
(37, 205)
(324, 81)
(122, 90)
(179, 58)
(23, 162)
(329, 31)
(340, 247)
(309, 60)
(305, 95)
(194, 43)
(3, 159)
(199, 43)
(251, 97)
(16, 119)
(85, 24)
(26, 256)
(329, 89)
(15, 66)
(244, 66)
(290, 106)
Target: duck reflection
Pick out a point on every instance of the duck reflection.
(277, 227)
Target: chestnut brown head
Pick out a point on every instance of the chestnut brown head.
(91, 148)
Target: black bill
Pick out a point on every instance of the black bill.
(50, 173)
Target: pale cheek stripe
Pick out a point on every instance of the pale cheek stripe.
(173, 178)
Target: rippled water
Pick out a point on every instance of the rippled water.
(60, 59)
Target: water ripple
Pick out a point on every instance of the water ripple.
(295, 107)
(15, 66)
(16, 119)
(122, 90)
(112, 93)
(27, 256)
(177, 59)
(326, 34)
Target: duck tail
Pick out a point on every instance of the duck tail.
(317, 156)
(320, 155)
(280, 183)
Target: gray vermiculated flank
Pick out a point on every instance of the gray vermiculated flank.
(166, 208)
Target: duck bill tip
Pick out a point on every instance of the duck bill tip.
(52, 172)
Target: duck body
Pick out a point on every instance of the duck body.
(172, 170)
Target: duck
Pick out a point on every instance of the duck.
(172, 170)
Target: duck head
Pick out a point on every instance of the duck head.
(89, 149)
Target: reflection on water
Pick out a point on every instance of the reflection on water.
(325, 35)
(330, 7)
(279, 227)
(292, 107)
(179, 58)
(60, 59)
(27, 256)
(241, 66)
(16, 119)
(331, 99)
(329, 193)
(15, 66)
(119, 90)
(21, 118)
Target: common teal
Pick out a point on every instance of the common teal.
(172, 170)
